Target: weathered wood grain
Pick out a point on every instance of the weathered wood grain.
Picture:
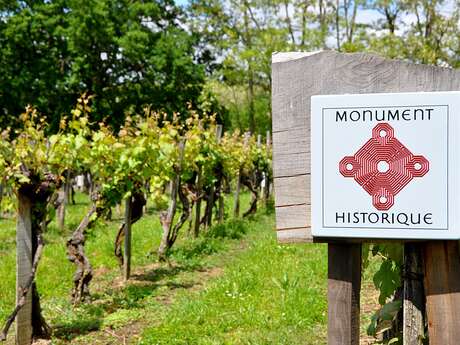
(294, 144)
(295, 235)
(298, 76)
(291, 191)
(24, 261)
(414, 301)
(297, 216)
(127, 221)
(344, 287)
(442, 290)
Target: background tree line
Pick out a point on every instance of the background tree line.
(245, 33)
(208, 54)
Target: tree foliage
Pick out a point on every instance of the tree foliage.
(127, 54)
(240, 36)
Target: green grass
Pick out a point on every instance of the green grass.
(232, 285)
(112, 301)
(267, 294)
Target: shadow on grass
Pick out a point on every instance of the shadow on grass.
(76, 327)
(90, 317)
(187, 257)
(232, 229)
(210, 242)
(159, 273)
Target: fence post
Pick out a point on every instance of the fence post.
(127, 258)
(199, 187)
(24, 262)
(221, 190)
(266, 187)
(236, 202)
(1, 198)
(442, 290)
(259, 145)
(60, 212)
(343, 293)
(63, 200)
(413, 303)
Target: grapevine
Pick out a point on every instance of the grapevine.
(172, 164)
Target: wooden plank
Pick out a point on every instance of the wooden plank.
(442, 290)
(343, 292)
(296, 235)
(293, 150)
(298, 76)
(24, 260)
(297, 216)
(288, 56)
(414, 301)
(292, 190)
(127, 258)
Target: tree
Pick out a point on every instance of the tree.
(432, 38)
(243, 38)
(32, 58)
(128, 54)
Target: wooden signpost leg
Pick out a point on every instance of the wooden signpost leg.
(24, 260)
(127, 260)
(344, 286)
(413, 308)
(442, 290)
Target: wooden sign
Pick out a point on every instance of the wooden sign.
(296, 78)
(386, 165)
(431, 156)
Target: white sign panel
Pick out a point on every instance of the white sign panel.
(386, 165)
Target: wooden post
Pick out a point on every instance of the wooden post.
(343, 292)
(67, 187)
(236, 201)
(63, 197)
(266, 187)
(259, 144)
(221, 206)
(413, 306)
(221, 197)
(24, 261)
(442, 290)
(219, 129)
(199, 187)
(127, 259)
(1, 198)
(60, 212)
(212, 190)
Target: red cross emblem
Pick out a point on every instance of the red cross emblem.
(383, 166)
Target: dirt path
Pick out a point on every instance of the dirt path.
(156, 286)
(130, 332)
(166, 280)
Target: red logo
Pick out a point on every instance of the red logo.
(383, 166)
